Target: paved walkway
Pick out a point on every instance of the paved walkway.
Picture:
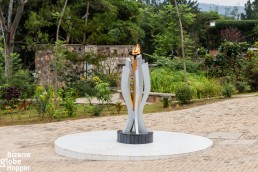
(231, 124)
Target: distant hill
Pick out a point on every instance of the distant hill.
(221, 9)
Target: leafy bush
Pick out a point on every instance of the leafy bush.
(251, 70)
(23, 80)
(69, 103)
(103, 92)
(51, 111)
(118, 106)
(229, 60)
(242, 86)
(164, 80)
(10, 96)
(95, 110)
(16, 62)
(112, 79)
(82, 86)
(85, 87)
(20, 86)
(166, 102)
(201, 52)
(228, 90)
(58, 114)
(204, 88)
(184, 94)
(177, 64)
(44, 100)
(253, 79)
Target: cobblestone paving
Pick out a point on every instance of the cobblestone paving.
(231, 124)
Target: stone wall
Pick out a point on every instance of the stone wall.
(116, 55)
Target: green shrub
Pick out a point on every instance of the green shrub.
(58, 114)
(184, 94)
(119, 105)
(44, 100)
(70, 106)
(164, 80)
(84, 86)
(201, 52)
(51, 107)
(206, 88)
(166, 102)
(10, 96)
(23, 80)
(19, 87)
(103, 92)
(95, 110)
(242, 86)
(178, 64)
(228, 90)
(111, 78)
(69, 97)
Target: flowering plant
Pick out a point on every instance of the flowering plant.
(44, 100)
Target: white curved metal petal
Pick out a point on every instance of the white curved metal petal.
(135, 107)
(125, 85)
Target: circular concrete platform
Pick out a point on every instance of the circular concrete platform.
(102, 145)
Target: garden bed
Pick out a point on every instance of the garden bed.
(30, 116)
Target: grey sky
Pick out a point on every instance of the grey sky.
(225, 2)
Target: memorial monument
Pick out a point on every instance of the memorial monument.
(127, 144)
(134, 131)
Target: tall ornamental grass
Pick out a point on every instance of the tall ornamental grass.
(164, 80)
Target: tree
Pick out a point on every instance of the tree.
(152, 2)
(251, 10)
(255, 9)
(234, 13)
(59, 52)
(164, 30)
(227, 11)
(182, 40)
(10, 27)
(192, 4)
(60, 20)
(192, 7)
(3, 53)
(116, 25)
(43, 21)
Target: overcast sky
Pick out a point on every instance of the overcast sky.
(225, 2)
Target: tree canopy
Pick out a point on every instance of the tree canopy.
(153, 23)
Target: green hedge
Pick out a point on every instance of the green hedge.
(245, 26)
(240, 24)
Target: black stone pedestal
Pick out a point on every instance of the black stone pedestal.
(133, 138)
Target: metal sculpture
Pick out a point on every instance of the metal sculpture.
(135, 131)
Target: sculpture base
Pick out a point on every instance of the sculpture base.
(102, 145)
(133, 138)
